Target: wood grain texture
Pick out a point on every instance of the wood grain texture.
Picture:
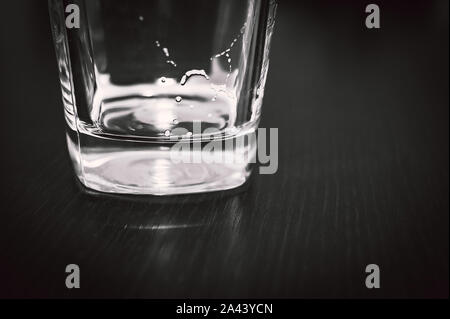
(363, 174)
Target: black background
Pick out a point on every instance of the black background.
(363, 172)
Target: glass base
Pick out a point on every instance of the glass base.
(136, 167)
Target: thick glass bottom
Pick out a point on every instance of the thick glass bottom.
(161, 168)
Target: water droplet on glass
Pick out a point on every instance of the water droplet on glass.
(167, 133)
(163, 80)
(175, 121)
(213, 99)
(189, 134)
(194, 72)
(227, 51)
(191, 106)
(166, 54)
(178, 99)
(209, 115)
(171, 62)
(141, 18)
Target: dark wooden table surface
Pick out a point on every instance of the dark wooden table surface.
(363, 173)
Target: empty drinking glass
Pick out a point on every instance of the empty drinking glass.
(162, 96)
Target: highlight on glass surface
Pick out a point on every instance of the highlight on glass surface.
(136, 77)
